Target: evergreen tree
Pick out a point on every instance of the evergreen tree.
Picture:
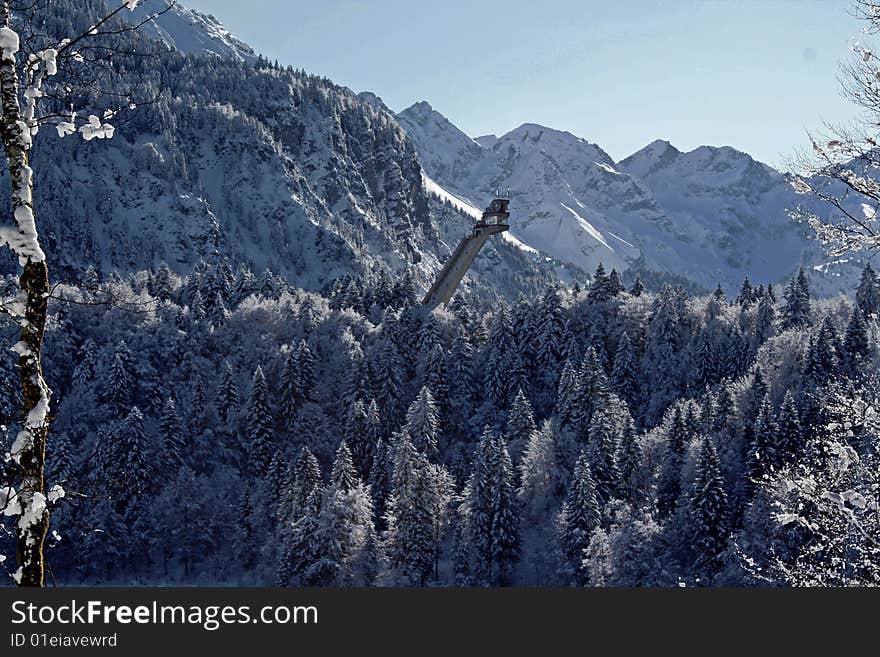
(633, 484)
(707, 514)
(637, 287)
(84, 372)
(593, 392)
(422, 424)
(259, 425)
(855, 342)
(491, 513)
(306, 360)
(669, 479)
(306, 482)
(614, 283)
(568, 396)
(746, 294)
(790, 436)
(763, 457)
(603, 455)
(520, 424)
(171, 433)
(538, 474)
(119, 387)
(380, 479)
(796, 312)
(552, 338)
(291, 397)
(408, 539)
(868, 293)
(505, 516)
(388, 370)
(227, 395)
(625, 376)
(344, 476)
(764, 321)
(663, 343)
(578, 518)
(134, 463)
(601, 288)
(355, 436)
(435, 378)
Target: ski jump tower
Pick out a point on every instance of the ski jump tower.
(493, 221)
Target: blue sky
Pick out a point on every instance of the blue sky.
(750, 74)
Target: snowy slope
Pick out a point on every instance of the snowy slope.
(191, 32)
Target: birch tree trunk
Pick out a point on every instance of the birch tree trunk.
(29, 448)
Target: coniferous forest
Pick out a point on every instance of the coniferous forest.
(228, 428)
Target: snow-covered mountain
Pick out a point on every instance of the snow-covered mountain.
(190, 31)
(713, 215)
(261, 165)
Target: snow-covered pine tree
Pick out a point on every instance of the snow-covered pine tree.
(498, 359)
(477, 512)
(552, 339)
(765, 321)
(88, 359)
(305, 359)
(790, 434)
(343, 476)
(669, 479)
(435, 378)
(505, 544)
(625, 375)
(422, 424)
(290, 395)
(707, 523)
(598, 559)
(796, 311)
(634, 482)
(306, 481)
(538, 474)
(520, 425)
(578, 518)
(344, 525)
(228, 399)
(568, 396)
(388, 371)
(171, 433)
(135, 464)
(601, 289)
(764, 457)
(380, 479)
(637, 287)
(856, 345)
(746, 294)
(355, 436)
(661, 376)
(259, 425)
(119, 387)
(868, 293)
(593, 392)
(602, 452)
(408, 539)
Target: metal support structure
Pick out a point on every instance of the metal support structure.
(493, 221)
